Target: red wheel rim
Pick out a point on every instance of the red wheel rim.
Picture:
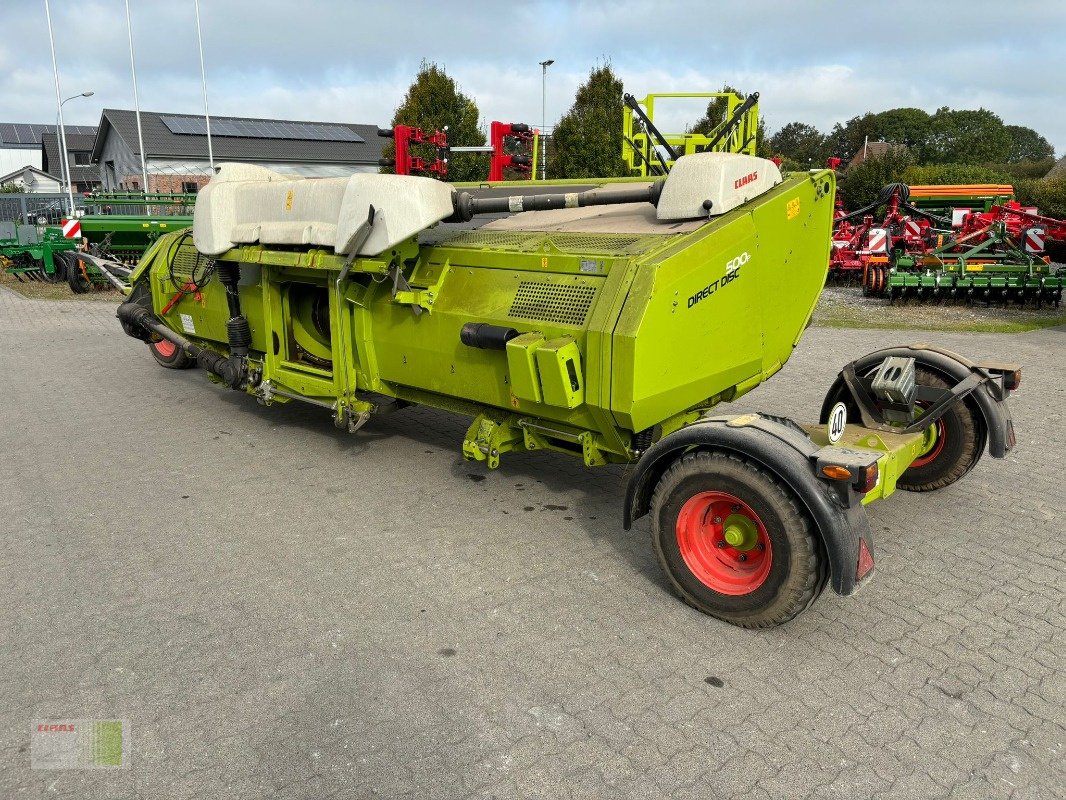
(723, 543)
(937, 447)
(165, 348)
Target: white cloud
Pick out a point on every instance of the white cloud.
(818, 62)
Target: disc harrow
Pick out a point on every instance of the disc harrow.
(995, 254)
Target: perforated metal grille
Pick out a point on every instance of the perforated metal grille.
(552, 302)
(185, 260)
(607, 244)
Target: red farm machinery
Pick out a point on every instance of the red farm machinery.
(949, 243)
(512, 151)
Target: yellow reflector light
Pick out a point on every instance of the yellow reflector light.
(836, 472)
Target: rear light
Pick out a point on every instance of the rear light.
(1012, 380)
(866, 561)
(868, 478)
(836, 472)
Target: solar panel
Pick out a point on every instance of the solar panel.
(262, 129)
(30, 134)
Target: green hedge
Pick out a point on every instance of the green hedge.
(938, 174)
(1047, 194)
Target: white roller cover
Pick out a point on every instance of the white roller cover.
(245, 204)
(728, 180)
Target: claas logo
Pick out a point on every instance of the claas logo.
(751, 176)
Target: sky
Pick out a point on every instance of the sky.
(352, 61)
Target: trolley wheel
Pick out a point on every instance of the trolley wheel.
(76, 278)
(733, 542)
(953, 444)
(169, 355)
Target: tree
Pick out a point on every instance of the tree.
(1027, 145)
(716, 111)
(587, 142)
(434, 101)
(845, 140)
(862, 183)
(906, 126)
(801, 143)
(966, 137)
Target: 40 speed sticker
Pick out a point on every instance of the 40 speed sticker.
(838, 418)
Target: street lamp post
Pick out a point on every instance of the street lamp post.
(64, 169)
(544, 117)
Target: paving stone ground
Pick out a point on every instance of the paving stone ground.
(283, 610)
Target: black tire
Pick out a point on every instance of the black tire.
(958, 447)
(76, 279)
(60, 262)
(169, 355)
(51, 277)
(796, 571)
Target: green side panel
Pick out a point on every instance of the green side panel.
(522, 365)
(559, 364)
(723, 313)
(424, 351)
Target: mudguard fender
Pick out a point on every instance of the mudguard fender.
(990, 399)
(782, 448)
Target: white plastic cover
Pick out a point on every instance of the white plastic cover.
(728, 180)
(245, 204)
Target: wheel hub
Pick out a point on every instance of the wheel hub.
(724, 543)
(740, 532)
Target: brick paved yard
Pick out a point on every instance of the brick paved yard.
(283, 610)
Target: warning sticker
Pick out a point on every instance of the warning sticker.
(792, 210)
(187, 324)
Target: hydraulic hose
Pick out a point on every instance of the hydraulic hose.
(229, 370)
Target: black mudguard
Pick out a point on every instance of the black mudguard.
(989, 399)
(782, 448)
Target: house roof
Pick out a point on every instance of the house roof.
(160, 140)
(1058, 170)
(874, 150)
(18, 173)
(76, 142)
(19, 134)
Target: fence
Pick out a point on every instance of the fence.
(30, 209)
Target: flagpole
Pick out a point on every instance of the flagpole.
(59, 103)
(136, 100)
(203, 79)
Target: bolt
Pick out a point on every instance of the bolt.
(736, 509)
(719, 544)
(760, 546)
(717, 520)
(743, 556)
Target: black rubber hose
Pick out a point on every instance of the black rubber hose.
(486, 336)
(467, 207)
(134, 316)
